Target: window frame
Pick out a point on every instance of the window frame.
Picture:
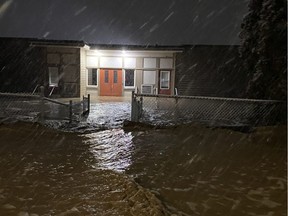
(134, 81)
(97, 77)
(160, 84)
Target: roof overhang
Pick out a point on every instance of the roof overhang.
(59, 43)
(135, 48)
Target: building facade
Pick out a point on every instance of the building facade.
(75, 68)
(117, 71)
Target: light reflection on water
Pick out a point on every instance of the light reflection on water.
(45, 172)
(112, 149)
(110, 115)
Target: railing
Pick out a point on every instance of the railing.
(41, 108)
(35, 89)
(164, 109)
(52, 90)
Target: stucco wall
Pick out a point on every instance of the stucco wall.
(210, 71)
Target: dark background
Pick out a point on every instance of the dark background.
(162, 22)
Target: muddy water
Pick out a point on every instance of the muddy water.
(185, 171)
(45, 172)
(200, 171)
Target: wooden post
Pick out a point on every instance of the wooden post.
(42, 104)
(70, 111)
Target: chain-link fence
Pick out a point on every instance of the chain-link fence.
(35, 107)
(165, 110)
(19, 106)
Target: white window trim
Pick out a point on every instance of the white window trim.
(129, 87)
(169, 74)
(87, 81)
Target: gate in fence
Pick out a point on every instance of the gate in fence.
(175, 110)
(39, 108)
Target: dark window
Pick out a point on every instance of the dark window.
(115, 77)
(106, 76)
(129, 78)
(92, 77)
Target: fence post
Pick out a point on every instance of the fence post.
(88, 104)
(176, 112)
(83, 104)
(140, 108)
(70, 111)
(42, 104)
(133, 108)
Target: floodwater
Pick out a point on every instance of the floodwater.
(203, 171)
(188, 170)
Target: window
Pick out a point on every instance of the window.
(92, 77)
(91, 61)
(164, 79)
(149, 62)
(106, 76)
(149, 77)
(166, 63)
(129, 78)
(110, 62)
(53, 76)
(130, 62)
(115, 76)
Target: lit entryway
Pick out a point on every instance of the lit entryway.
(110, 82)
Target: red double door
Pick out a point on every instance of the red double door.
(111, 82)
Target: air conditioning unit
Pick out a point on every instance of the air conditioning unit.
(147, 89)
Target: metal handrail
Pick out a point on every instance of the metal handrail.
(35, 88)
(176, 91)
(51, 92)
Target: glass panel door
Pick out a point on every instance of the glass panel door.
(164, 79)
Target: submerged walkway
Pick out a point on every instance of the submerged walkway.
(105, 113)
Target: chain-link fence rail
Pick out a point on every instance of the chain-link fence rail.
(34, 107)
(175, 110)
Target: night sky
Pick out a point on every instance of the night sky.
(162, 22)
